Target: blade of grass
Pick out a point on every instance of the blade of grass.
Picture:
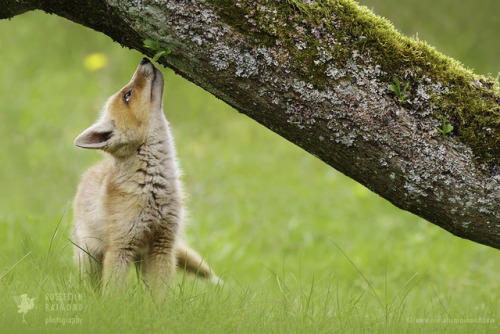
(15, 264)
(360, 273)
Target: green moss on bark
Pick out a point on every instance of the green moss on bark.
(324, 33)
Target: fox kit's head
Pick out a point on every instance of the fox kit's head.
(125, 119)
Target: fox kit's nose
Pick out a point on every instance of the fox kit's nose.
(147, 68)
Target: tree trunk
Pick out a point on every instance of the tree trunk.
(318, 73)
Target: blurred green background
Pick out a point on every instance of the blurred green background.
(259, 206)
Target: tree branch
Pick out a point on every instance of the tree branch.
(318, 73)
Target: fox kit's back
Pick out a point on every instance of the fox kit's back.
(129, 207)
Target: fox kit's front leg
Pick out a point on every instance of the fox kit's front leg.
(115, 268)
(159, 264)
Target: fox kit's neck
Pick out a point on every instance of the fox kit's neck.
(153, 167)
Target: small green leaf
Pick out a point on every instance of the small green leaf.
(396, 81)
(152, 44)
(396, 88)
(406, 86)
(445, 127)
(158, 55)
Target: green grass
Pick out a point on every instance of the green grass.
(302, 248)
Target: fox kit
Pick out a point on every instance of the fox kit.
(129, 207)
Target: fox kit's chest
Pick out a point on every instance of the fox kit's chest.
(143, 200)
(138, 195)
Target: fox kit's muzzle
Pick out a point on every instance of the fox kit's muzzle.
(153, 76)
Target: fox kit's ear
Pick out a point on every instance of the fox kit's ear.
(97, 136)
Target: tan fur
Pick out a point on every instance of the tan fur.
(129, 207)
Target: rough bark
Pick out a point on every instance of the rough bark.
(317, 73)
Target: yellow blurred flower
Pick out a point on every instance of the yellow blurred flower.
(95, 61)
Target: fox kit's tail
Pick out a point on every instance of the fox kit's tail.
(188, 259)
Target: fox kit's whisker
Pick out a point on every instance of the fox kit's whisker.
(130, 206)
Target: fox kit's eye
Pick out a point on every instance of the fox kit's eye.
(126, 97)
